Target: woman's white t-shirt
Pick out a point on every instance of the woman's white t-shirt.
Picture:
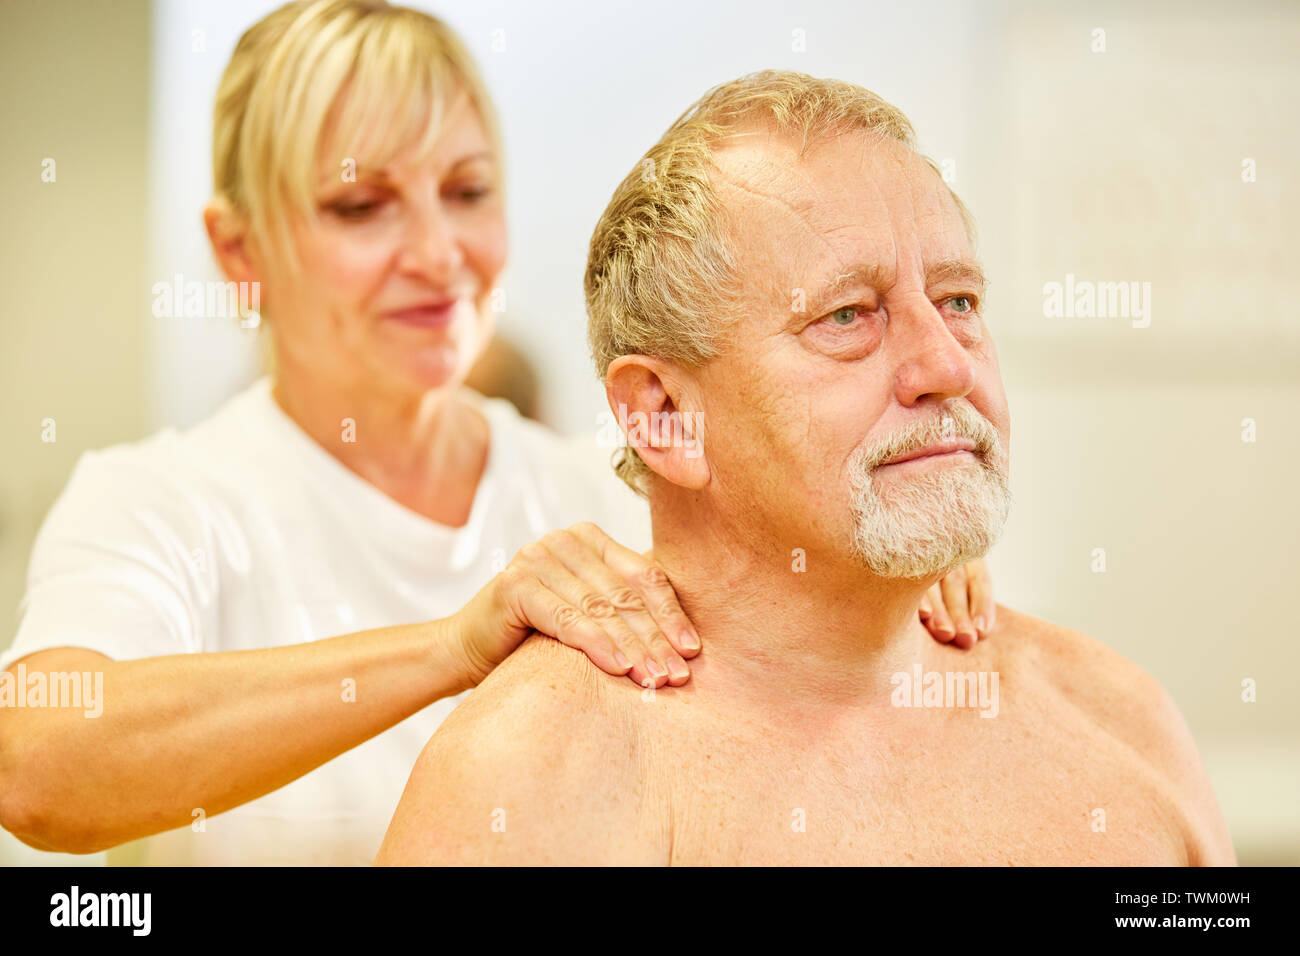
(243, 533)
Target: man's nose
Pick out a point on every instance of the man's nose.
(431, 246)
(932, 362)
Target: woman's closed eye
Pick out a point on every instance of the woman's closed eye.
(468, 193)
(358, 208)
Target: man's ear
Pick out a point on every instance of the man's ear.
(662, 420)
(228, 232)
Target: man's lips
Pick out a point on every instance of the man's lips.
(430, 315)
(948, 446)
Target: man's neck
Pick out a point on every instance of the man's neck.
(828, 630)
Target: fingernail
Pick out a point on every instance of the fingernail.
(690, 641)
(654, 667)
(621, 660)
(979, 623)
(677, 667)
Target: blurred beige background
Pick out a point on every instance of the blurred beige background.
(74, 335)
(1122, 163)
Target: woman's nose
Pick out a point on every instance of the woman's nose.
(431, 246)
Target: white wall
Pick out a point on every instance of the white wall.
(72, 260)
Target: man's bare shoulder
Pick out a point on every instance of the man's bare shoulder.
(1127, 704)
(1110, 689)
(547, 685)
(541, 763)
(1090, 673)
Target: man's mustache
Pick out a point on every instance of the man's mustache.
(958, 420)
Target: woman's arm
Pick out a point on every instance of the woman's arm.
(214, 730)
(205, 731)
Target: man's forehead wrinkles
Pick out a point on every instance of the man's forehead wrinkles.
(809, 230)
(813, 232)
(911, 199)
(879, 224)
(751, 189)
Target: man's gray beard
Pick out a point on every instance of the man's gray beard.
(930, 523)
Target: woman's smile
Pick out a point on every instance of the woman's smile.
(429, 314)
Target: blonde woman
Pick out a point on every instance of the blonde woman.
(283, 602)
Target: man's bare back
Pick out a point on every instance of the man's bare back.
(1087, 761)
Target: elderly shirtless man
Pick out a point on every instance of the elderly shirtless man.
(786, 278)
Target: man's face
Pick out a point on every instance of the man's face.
(859, 341)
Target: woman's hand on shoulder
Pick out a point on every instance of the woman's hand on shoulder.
(960, 609)
(588, 591)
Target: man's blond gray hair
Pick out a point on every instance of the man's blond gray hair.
(660, 275)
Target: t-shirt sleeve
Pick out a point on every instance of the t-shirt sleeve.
(114, 568)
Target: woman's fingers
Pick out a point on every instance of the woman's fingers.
(649, 581)
(983, 608)
(960, 608)
(528, 600)
(598, 593)
(957, 602)
(623, 594)
(939, 623)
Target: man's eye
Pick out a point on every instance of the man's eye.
(962, 304)
(845, 316)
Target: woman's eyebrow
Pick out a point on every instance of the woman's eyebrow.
(383, 176)
(474, 157)
(369, 176)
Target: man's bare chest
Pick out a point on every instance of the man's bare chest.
(953, 792)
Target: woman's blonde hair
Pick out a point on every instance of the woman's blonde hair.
(332, 75)
(660, 275)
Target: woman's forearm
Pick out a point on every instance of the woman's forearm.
(206, 731)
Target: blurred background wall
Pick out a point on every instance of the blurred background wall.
(1091, 140)
(75, 332)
